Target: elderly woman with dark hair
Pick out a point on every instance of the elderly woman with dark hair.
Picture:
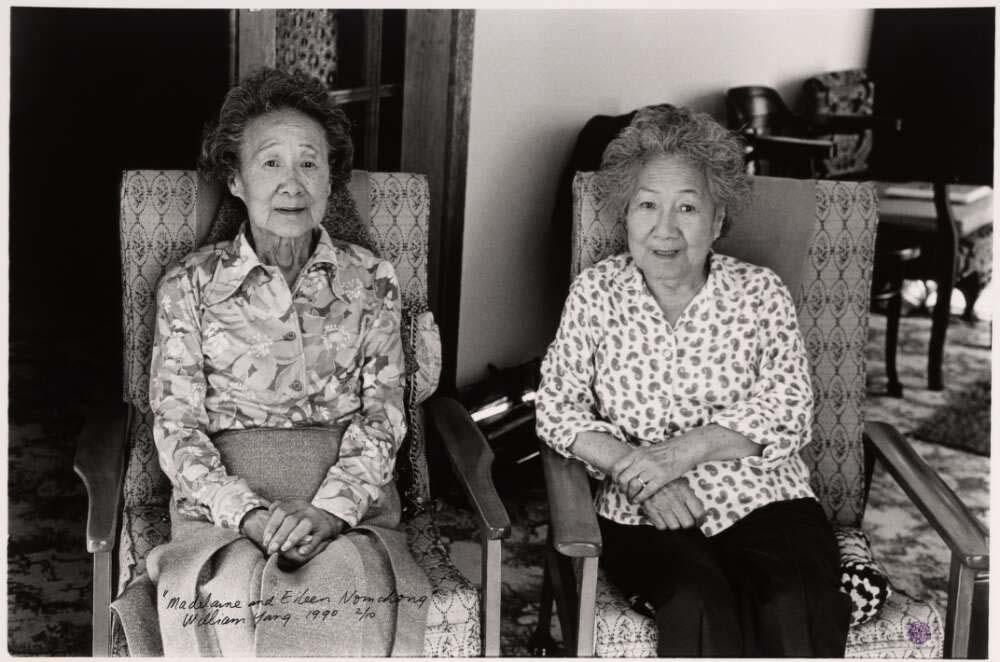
(678, 376)
(277, 389)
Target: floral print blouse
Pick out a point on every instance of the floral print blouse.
(237, 348)
(735, 357)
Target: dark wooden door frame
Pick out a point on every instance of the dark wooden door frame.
(252, 39)
(436, 88)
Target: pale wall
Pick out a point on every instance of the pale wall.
(538, 76)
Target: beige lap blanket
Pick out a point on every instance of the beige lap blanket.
(212, 591)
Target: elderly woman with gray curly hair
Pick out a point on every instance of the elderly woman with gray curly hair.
(679, 377)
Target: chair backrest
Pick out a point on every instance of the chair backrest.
(819, 237)
(164, 215)
(756, 109)
(847, 93)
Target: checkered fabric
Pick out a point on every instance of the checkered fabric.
(862, 578)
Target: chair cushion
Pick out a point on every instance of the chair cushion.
(861, 577)
(904, 627)
(453, 628)
(619, 631)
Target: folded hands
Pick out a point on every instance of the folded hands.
(293, 528)
(653, 475)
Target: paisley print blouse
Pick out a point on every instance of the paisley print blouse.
(236, 348)
(735, 357)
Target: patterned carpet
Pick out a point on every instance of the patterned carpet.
(49, 571)
(915, 558)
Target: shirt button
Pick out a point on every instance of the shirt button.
(290, 335)
(296, 385)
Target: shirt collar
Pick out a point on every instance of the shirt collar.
(325, 251)
(720, 282)
(239, 260)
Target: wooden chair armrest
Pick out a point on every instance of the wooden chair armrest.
(571, 506)
(777, 147)
(963, 534)
(472, 460)
(100, 463)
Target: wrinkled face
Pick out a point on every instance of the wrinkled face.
(672, 222)
(284, 177)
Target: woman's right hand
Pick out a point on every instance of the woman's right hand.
(253, 523)
(674, 507)
(294, 528)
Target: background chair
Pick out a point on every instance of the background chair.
(824, 256)
(164, 215)
(780, 142)
(842, 103)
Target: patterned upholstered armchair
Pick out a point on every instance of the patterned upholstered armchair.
(164, 215)
(824, 255)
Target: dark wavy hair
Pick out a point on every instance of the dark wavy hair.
(265, 91)
(666, 130)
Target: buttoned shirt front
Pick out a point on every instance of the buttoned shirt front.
(735, 357)
(237, 348)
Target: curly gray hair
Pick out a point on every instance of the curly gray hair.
(265, 91)
(666, 130)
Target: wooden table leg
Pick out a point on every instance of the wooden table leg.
(946, 260)
(939, 330)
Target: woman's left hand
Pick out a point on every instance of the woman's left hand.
(674, 507)
(646, 470)
(299, 530)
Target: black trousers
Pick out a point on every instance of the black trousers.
(765, 587)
